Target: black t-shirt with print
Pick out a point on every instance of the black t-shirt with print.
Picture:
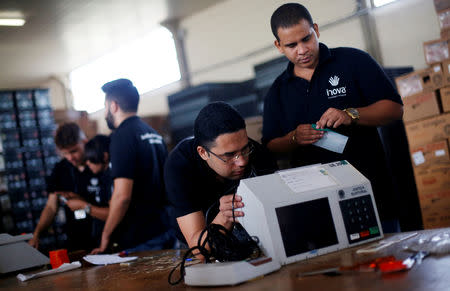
(67, 178)
(138, 153)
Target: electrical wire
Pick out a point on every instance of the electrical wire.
(224, 245)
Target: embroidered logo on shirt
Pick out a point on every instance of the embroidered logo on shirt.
(335, 92)
(94, 181)
(334, 81)
(94, 187)
(152, 138)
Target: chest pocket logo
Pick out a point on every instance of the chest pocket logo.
(335, 92)
(94, 187)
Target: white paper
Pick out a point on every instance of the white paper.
(439, 153)
(332, 141)
(418, 158)
(305, 179)
(63, 268)
(107, 259)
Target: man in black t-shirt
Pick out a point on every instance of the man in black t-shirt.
(343, 89)
(204, 171)
(96, 152)
(74, 187)
(138, 218)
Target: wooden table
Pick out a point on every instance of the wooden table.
(152, 269)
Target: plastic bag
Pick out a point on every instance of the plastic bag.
(437, 243)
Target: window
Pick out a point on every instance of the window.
(150, 63)
(378, 3)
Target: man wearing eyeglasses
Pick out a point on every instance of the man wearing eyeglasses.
(204, 171)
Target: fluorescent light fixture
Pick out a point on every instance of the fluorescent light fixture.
(12, 22)
(378, 3)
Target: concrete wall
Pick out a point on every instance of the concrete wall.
(402, 28)
(225, 41)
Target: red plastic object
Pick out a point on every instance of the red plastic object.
(393, 266)
(58, 257)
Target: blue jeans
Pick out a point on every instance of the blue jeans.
(166, 240)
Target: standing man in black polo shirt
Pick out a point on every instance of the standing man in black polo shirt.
(206, 169)
(137, 219)
(74, 187)
(343, 89)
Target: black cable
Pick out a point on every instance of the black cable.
(224, 245)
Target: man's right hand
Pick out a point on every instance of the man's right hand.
(34, 242)
(305, 134)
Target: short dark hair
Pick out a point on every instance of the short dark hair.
(68, 135)
(215, 119)
(124, 93)
(95, 149)
(288, 15)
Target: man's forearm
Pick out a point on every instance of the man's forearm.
(45, 220)
(48, 214)
(99, 212)
(380, 113)
(117, 209)
(283, 144)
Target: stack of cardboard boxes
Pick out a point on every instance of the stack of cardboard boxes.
(426, 98)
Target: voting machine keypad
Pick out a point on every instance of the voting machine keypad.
(359, 219)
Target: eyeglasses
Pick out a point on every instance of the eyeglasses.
(232, 157)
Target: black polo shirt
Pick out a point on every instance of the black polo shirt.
(138, 153)
(102, 187)
(193, 186)
(344, 77)
(81, 233)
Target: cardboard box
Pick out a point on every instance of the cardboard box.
(440, 5)
(433, 178)
(436, 51)
(435, 208)
(435, 153)
(446, 72)
(444, 19)
(420, 106)
(428, 130)
(445, 33)
(421, 81)
(445, 99)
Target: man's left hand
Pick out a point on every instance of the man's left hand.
(226, 207)
(75, 204)
(333, 118)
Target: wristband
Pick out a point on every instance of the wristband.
(294, 139)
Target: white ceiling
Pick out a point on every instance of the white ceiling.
(60, 35)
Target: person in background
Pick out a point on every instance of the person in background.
(96, 152)
(74, 187)
(205, 170)
(343, 89)
(138, 218)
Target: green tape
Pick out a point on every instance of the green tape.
(320, 129)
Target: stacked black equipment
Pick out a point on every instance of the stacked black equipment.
(27, 127)
(265, 75)
(185, 105)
